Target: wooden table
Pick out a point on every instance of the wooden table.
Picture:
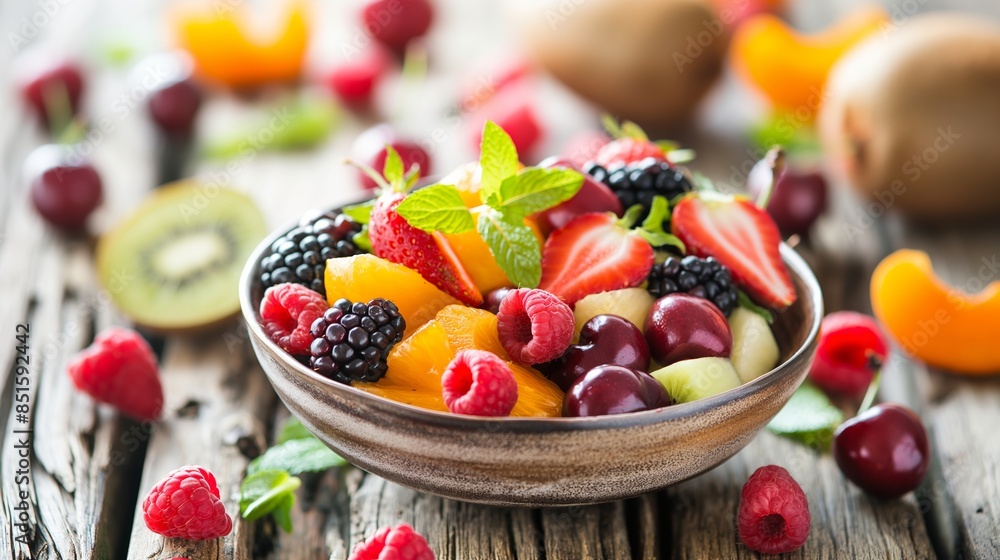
(90, 467)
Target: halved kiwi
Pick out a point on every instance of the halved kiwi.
(174, 265)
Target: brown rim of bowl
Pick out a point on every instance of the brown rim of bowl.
(792, 259)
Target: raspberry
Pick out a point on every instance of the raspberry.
(119, 369)
(479, 383)
(774, 512)
(851, 349)
(394, 543)
(286, 313)
(186, 505)
(534, 326)
(624, 151)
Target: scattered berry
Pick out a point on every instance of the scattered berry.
(704, 278)
(534, 326)
(355, 82)
(851, 349)
(394, 543)
(65, 189)
(49, 84)
(395, 23)
(743, 238)
(512, 110)
(774, 512)
(174, 106)
(623, 151)
(884, 450)
(186, 505)
(300, 255)
(287, 312)
(479, 383)
(639, 182)
(119, 369)
(369, 149)
(352, 340)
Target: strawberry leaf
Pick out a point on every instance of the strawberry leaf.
(436, 208)
(652, 227)
(498, 159)
(514, 246)
(611, 126)
(745, 302)
(680, 155)
(536, 189)
(360, 213)
(393, 169)
(809, 417)
(362, 241)
(269, 491)
(632, 130)
(297, 456)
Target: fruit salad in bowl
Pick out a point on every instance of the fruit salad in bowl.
(535, 335)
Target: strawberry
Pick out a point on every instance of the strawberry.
(742, 237)
(429, 254)
(596, 252)
(624, 151)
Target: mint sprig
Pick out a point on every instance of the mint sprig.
(809, 418)
(269, 491)
(510, 196)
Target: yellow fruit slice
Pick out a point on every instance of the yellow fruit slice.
(365, 277)
(478, 260)
(467, 328)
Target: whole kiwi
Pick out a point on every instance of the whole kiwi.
(911, 117)
(649, 61)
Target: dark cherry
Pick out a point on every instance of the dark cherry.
(613, 390)
(175, 106)
(492, 300)
(65, 188)
(395, 23)
(369, 149)
(884, 450)
(592, 197)
(683, 327)
(40, 76)
(604, 340)
(797, 200)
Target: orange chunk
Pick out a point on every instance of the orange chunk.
(469, 328)
(478, 260)
(366, 277)
(940, 325)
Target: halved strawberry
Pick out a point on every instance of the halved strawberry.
(742, 237)
(429, 254)
(594, 253)
(624, 151)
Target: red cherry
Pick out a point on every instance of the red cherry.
(684, 327)
(593, 196)
(355, 82)
(851, 349)
(175, 106)
(42, 79)
(884, 451)
(369, 149)
(65, 189)
(395, 23)
(797, 200)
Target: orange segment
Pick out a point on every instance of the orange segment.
(466, 180)
(790, 68)
(365, 277)
(476, 258)
(227, 51)
(934, 322)
(417, 364)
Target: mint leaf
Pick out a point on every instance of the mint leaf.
(269, 491)
(745, 302)
(393, 169)
(514, 246)
(652, 227)
(536, 189)
(809, 418)
(498, 159)
(436, 208)
(293, 429)
(360, 213)
(297, 456)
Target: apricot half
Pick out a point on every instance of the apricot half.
(936, 323)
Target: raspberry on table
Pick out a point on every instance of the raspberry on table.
(351, 341)
(479, 383)
(774, 513)
(186, 505)
(300, 255)
(851, 349)
(394, 543)
(287, 311)
(534, 326)
(704, 278)
(120, 369)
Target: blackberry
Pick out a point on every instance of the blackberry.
(704, 278)
(638, 183)
(300, 255)
(353, 340)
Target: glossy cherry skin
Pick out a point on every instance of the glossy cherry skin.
(491, 302)
(884, 451)
(604, 340)
(797, 200)
(613, 390)
(592, 197)
(395, 23)
(175, 106)
(684, 327)
(369, 149)
(37, 75)
(64, 189)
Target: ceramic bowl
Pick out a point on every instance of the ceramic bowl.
(532, 461)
